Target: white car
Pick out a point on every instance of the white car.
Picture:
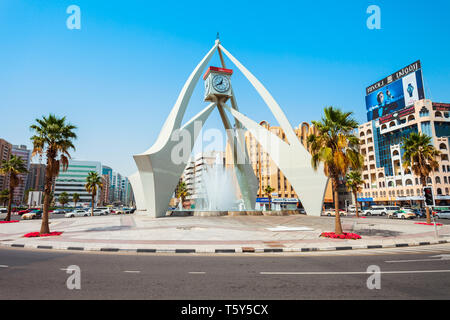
(375, 211)
(76, 213)
(106, 210)
(99, 212)
(442, 214)
(402, 214)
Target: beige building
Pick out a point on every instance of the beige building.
(386, 181)
(266, 170)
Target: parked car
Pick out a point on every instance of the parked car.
(59, 211)
(442, 214)
(34, 214)
(392, 209)
(332, 212)
(76, 213)
(402, 214)
(125, 211)
(99, 212)
(420, 212)
(21, 212)
(375, 211)
(106, 210)
(3, 210)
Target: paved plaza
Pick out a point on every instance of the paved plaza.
(219, 234)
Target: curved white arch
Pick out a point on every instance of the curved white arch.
(175, 117)
(158, 175)
(294, 162)
(268, 99)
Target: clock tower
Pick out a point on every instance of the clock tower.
(217, 84)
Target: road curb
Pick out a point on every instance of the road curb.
(224, 250)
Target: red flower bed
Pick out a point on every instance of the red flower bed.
(36, 234)
(12, 221)
(428, 224)
(352, 236)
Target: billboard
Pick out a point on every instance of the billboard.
(395, 92)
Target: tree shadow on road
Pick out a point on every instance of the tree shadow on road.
(378, 232)
(113, 228)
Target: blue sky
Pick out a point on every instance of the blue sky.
(118, 77)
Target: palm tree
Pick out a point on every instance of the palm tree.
(4, 196)
(182, 191)
(75, 198)
(336, 147)
(54, 139)
(420, 157)
(63, 198)
(12, 168)
(93, 182)
(353, 180)
(268, 190)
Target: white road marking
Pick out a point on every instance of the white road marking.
(197, 272)
(443, 257)
(416, 260)
(132, 271)
(353, 272)
(3, 266)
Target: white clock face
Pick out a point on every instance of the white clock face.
(221, 83)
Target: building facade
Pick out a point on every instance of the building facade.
(193, 175)
(73, 180)
(22, 152)
(268, 174)
(36, 177)
(386, 180)
(5, 154)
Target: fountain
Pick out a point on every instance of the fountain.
(219, 188)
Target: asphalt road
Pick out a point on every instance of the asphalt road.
(42, 274)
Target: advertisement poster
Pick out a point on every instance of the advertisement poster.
(395, 92)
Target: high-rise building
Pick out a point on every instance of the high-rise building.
(5, 154)
(73, 180)
(193, 175)
(386, 181)
(396, 107)
(36, 177)
(110, 194)
(104, 196)
(25, 154)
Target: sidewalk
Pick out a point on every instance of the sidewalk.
(295, 233)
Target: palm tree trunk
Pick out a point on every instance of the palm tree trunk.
(45, 228)
(337, 217)
(356, 204)
(92, 205)
(11, 195)
(427, 209)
